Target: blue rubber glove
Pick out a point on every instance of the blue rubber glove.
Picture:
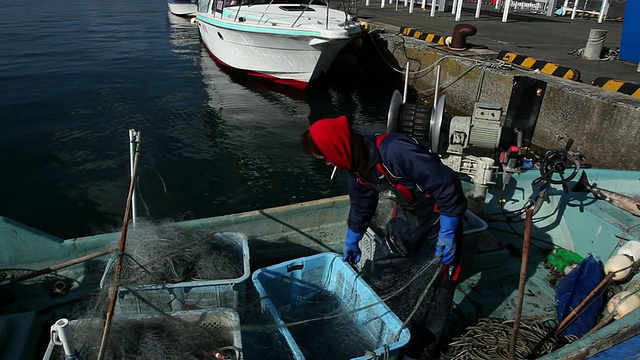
(446, 245)
(351, 250)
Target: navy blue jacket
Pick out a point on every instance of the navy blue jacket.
(411, 165)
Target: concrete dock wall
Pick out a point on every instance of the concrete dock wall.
(604, 124)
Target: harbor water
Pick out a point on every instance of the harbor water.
(76, 76)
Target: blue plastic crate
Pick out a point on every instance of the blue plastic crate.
(301, 286)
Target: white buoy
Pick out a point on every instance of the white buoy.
(623, 303)
(619, 265)
(631, 248)
(194, 21)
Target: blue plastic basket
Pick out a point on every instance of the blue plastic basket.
(298, 286)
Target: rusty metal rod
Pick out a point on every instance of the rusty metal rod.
(123, 241)
(59, 266)
(523, 281)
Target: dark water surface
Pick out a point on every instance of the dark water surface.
(76, 75)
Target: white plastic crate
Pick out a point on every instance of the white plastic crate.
(223, 322)
(189, 295)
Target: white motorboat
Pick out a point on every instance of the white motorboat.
(288, 41)
(186, 8)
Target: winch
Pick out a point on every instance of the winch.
(501, 134)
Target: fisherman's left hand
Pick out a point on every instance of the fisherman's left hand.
(446, 245)
(351, 249)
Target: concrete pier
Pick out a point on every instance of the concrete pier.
(604, 122)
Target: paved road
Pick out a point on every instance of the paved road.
(546, 38)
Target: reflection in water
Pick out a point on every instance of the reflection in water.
(212, 142)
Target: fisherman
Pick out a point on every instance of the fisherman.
(427, 220)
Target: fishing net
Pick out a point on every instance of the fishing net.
(145, 325)
(173, 254)
(185, 336)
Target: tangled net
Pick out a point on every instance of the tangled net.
(490, 339)
(186, 337)
(173, 254)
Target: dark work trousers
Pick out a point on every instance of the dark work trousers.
(410, 244)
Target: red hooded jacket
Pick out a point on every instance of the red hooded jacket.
(333, 137)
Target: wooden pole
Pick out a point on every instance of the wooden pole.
(601, 324)
(593, 292)
(52, 268)
(123, 241)
(523, 281)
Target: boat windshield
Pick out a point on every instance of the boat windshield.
(204, 5)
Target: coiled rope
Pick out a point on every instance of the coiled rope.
(489, 339)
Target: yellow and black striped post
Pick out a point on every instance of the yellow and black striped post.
(540, 65)
(618, 86)
(436, 39)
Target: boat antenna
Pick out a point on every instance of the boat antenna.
(123, 241)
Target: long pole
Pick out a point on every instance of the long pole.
(600, 325)
(406, 85)
(123, 241)
(523, 280)
(133, 139)
(603, 10)
(52, 268)
(437, 86)
(458, 10)
(575, 311)
(505, 11)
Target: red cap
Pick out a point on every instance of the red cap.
(333, 137)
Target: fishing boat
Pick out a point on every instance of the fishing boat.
(575, 221)
(289, 42)
(533, 233)
(183, 8)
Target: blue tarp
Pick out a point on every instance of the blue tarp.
(573, 289)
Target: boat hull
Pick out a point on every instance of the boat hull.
(186, 8)
(292, 58)
(575, 221)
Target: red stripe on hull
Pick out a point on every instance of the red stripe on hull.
(296, 84)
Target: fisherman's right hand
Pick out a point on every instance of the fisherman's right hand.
(351, 249)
